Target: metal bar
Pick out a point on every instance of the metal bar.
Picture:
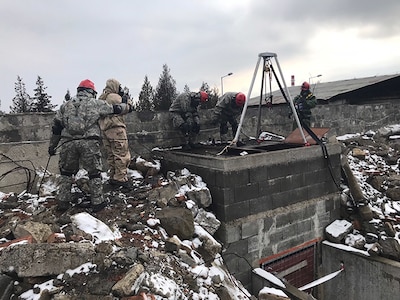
(291, 102)
(235, 139)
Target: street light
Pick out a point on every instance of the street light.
(309, 79)
(222, 84)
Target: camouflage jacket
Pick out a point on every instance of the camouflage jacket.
(226, 106)
(185, 105)
(78, 117)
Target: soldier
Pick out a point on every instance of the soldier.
(76, 125)
(115, 139)
(227, 110)
(185, 116)
(303, 103)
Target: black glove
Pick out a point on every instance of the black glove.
(196, 128)
(122, 108)
(184, 128)
(300, 106)
(54, 140)
(52, 151)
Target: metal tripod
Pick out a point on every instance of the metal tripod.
(267, 65)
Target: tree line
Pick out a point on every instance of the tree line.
(149, 98)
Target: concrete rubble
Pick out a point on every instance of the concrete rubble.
(371, 213)
(159, 243)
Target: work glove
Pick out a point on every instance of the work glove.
(52, 151)
(184, 128)
(122, 108)
(54, 140)
(299, 106)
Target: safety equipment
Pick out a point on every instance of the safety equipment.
(305, 86)
(203, 96)
(240, 99)
(87, 84)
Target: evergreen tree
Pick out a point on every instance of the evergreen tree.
(212, 96)
(21, 101)
(41, 100)
(186, 89)
(146, 97)
(165, 91)
(67, 96)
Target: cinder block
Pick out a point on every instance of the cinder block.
(222, 196)
(232, 178)
(260, 204)
(236, 211)
(246, 192)
(250, 229)
(271, 186)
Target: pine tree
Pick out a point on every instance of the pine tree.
(212, 96)
(186, 89)
(165, 91)
(21, 101)
(67, 96)
(146, 97)
(41, 100)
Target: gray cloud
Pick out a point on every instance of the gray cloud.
(200, 40)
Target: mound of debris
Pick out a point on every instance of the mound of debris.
(371, 195)
(153, 242)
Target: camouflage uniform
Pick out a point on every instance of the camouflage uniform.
(185, 116)
(76, 126)
(226, 111)
(115, 140)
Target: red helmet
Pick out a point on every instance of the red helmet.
(87, 84)
(240, 99)
(305, 86)
(203, 96)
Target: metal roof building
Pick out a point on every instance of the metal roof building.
(351, 91)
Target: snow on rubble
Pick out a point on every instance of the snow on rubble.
(134, 253)
(372, 225)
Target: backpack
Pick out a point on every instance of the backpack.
(75, 118)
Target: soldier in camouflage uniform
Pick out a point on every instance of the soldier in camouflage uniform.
(76, 126)
(185, 116)
(115, 139)
(227, 110)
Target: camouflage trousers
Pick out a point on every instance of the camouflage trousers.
(80, 154)
(115, 142)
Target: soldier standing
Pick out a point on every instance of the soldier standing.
(115, 139)
(303, 103)
(76, 126)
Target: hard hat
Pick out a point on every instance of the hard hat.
(305, 86)
(240, 99)
(203, 96)
(87, 84)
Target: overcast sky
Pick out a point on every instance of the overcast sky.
(66, 41)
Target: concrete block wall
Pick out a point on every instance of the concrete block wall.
(364, 277)
(267, 202)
